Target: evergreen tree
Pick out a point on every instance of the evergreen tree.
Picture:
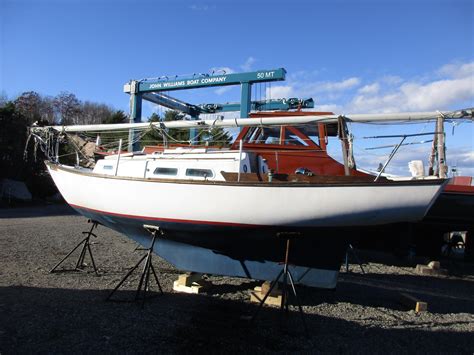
(110, 140)
(216, 136)
(176, 135)
(13, 136)
(116, 117)
(152, 137)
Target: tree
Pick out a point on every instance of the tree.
(13, 135)
(33, 107)
(110, 139)
(117, 117)
(28, 105)
(154, 117)
(176, 135)
(94, 113)
(216, 136)
(3, 99)
(68, 108)
(47, 113)
(152, 137)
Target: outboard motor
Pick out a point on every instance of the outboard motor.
(304, 171)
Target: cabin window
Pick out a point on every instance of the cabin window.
(165, 171)
(205, 173)
(293, 139)
(267, 135)
(108, 167)
(310, 130)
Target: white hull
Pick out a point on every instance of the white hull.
(230, 228)
(242, 204)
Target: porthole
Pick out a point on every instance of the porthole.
(205, 173)
(165, 171)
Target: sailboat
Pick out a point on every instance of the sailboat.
(222, 212)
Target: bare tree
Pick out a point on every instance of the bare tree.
(28, 104)
(47, 109)
(3, 99)
(68, 107)
(94, 113)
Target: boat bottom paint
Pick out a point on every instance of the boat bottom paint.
(240, 252)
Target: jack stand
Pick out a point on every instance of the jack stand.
(86, 247)
(350, 249)
(148, 268)
(287, 276)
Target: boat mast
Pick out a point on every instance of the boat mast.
(342, 135)
(441, 147)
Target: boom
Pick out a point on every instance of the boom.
(466, 114)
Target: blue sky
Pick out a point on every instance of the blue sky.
(350, 56)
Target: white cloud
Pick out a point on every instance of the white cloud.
(339, 85)
(462, 158)
(450, 87)
(280, 92)
(370, 89)
(457, 70)
(369, 160)
(301, 89)
(329, 108)
(391, 80)
(414, 96)
(247, 66)
(222, 90)
(201, 7)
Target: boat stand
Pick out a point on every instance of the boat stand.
(86, 247)
(351, 250)
(287, 276)
(144, 283)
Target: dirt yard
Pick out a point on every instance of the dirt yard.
(66, 312)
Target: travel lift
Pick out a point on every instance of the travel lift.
(155, 90)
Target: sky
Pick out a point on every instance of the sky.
(359, 56)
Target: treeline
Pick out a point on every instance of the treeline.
(63, 109)
(17, 114)
(67, 109)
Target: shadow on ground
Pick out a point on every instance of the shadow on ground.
(63, 320)
(43, 210)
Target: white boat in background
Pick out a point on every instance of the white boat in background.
(221, 210)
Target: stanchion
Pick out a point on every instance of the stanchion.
(287, 276)
(350, 249)
(143, 285)
(86, 247)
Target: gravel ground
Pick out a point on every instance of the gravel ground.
(66, 312)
